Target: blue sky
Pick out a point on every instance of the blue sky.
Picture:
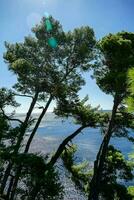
(104, 16)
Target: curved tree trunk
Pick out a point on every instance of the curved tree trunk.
(100, 159)
(55, 158)
(61, 147)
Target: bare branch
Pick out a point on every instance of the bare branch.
(10, 119)
(23, 95)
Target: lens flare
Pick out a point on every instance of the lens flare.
(52, 42)
(48, 25)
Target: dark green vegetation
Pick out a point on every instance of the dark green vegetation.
(111, 73)
(130, 99)
(45, 74)
(115, 167)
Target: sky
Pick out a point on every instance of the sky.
(104, 16)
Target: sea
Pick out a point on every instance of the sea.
(52, 132)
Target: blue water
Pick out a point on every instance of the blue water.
(53, 130)
(88, 142)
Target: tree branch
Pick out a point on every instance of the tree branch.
(10, 119)
(23, 95)
(63, 144)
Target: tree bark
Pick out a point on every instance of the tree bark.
(22, 132)
(37, 125)
(61, 147)
(100, 158)
(14, 184)
(9, 187)
(25, 124)
(55, 158)
(18, 172)
(6, 175)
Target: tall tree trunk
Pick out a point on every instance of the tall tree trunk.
(37, 125)
(22, 132)
(25, 124)
(9, 187)
(18, 172)
(55, 158)
(100, 158)
(14, 184)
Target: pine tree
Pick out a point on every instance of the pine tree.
(45, 73)
(115, 59)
